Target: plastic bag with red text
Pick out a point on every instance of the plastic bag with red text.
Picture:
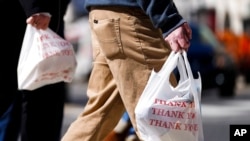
(45, 58)
(168, 113)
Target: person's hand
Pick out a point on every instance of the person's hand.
(180, 38)
(39, 21)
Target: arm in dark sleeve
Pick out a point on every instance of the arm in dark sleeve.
(163, 14)
(35, 6)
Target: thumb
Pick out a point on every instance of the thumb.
(30, 20)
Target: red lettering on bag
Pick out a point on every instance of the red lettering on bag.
(191, 127)
(55, 75)
(164, 124)
(171, 103)
(191, 105)
(162, 112)
(63, 44)
(44, 37)
(191, 115)
(45, 45)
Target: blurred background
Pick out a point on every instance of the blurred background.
(220, 51)
(220, 46)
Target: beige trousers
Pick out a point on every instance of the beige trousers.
(126, 47)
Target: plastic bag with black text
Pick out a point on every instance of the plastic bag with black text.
(45, 58)
(168, 113)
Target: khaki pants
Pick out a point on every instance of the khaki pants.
(126, 47)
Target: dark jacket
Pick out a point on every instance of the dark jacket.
(163, 13)
(13, 26)
(56, 8)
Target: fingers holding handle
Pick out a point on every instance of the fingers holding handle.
(179, 39)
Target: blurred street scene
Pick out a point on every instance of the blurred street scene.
(220, 51)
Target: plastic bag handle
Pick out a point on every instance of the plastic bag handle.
(195, 92)
(182, 69)
(169, 65)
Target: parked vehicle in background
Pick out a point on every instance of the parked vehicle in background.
(207, 56)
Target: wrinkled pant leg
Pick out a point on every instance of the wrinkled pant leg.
(126, 48)
(133, 47)
(104, 104)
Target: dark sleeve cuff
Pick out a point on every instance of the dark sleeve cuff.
(168, 28)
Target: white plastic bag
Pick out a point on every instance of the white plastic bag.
(45, 58)
(167, 113)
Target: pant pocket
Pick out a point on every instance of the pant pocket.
(108, 35)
